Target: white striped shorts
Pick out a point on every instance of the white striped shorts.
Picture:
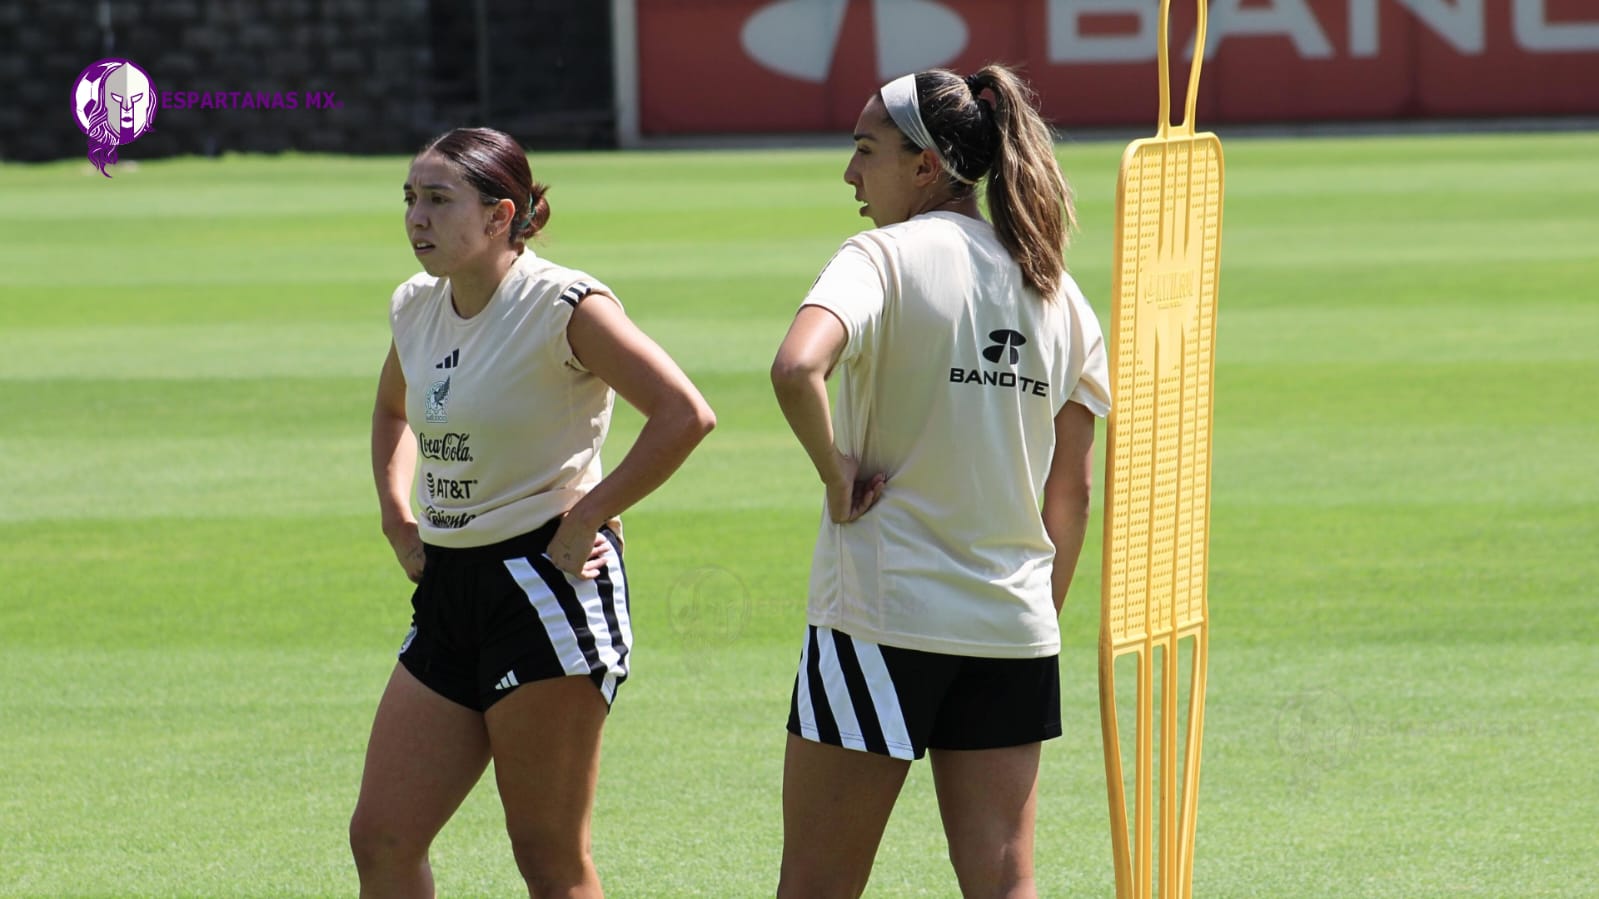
(901, 702)
(488, 619)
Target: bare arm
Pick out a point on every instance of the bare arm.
(676, 417)
(394, 466)
(799, 378)
(1067, 489)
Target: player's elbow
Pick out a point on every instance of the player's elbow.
(703, 420)
(692, 418)
(1067, 504)
(790, 370)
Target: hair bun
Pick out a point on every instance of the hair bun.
(538, 213)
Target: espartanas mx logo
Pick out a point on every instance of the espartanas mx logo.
(114, 102)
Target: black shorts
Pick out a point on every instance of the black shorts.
(902, 702)
(487, 619)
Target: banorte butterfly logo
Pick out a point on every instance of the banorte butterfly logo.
(799, 38)
(114, 103)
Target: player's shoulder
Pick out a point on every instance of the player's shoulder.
(412, 292)
(926, 225)
(544, 280)
(885, 241)
(1072, 301)
(937, 233)
(1071, 317)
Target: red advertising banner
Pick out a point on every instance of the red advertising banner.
(742, 66)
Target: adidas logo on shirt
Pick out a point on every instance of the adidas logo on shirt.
(452, 360)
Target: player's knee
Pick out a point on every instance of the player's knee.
(553, 868)
(1004, 871)
(376, 843)
(794, 883)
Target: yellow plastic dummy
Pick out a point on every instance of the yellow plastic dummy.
(1157, 500)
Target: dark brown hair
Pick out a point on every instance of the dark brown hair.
(496, 166)
(1006, 140)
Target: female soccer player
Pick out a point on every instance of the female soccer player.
(971, 372)
(500, 378)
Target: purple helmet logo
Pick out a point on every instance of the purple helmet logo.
(114, 102)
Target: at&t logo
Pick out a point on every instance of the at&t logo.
(114, 102)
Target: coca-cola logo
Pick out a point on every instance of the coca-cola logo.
(452, 447)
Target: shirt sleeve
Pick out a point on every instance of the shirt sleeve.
(401, 302)
(853, 287)
(1093, 381)
(571, 296)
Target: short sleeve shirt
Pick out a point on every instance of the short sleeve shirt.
(508, 422)
(949, 383)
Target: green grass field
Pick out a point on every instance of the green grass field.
(197, 611)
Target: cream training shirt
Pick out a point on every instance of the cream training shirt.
(949, 383)
(508, 423)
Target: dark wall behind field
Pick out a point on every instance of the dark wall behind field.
(401, 70)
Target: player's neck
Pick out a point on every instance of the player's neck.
(965, 204)
(472, 288)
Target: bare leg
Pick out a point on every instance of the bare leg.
(988, 799)
(422, 760)
(836, 804)
(546, 743)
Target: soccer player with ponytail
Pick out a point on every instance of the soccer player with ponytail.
(957, 472)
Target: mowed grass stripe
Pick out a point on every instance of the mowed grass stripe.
(1304, 577)
(1555, 333)
(1495, 391)
(1486, 287)
(1435, 239)
(174, 352)
(188, 302)
(129, 407)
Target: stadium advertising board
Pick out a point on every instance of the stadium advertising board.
(741, 66)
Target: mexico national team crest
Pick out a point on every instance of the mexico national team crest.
(114, 103)
(437, 395)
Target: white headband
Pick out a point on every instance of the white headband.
(899, 97)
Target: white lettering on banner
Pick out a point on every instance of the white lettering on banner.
(1530, 23)
(799, 38)
(1287, 18)
(1459, 22)
(1291, 18)
(1067, 43)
